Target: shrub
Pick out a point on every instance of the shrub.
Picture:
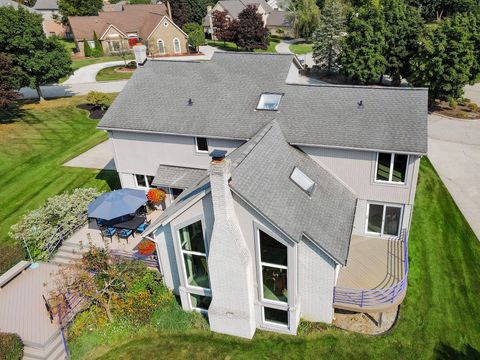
(87, 50)
(280, 31)
(11, 347)
(452, 103)
(156, 196)
(191, 27)
(472, 106)
(98, 50)
(131, 65)
(38, 226)
(463, 115)
(99, 100)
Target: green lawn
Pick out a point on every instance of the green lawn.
(439, 318)
(109, 74)
(33, 146)
(301, 48)
(229, 46)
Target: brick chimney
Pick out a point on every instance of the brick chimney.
(230, 263)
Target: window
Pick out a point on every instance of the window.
(144, 181)
(176, 192)
(384, 219)
(269, 102)
(201, 144)
(275, 316)
(273, 260)
(303, 181)
(200, 302)
(391, 167)
(176, 46)
(194, 255)
(114, 46)
(91, 44)
(161, 46)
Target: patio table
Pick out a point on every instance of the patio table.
(131, 224)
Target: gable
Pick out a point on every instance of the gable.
(171, 29)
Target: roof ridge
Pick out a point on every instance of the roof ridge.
(370, 87)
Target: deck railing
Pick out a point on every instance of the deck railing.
(372, 298)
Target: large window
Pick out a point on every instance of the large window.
(384, 219)
(194, 255)
(201, 144)
(391, 167)
(144, 181)
(161, 47)
(176, 46)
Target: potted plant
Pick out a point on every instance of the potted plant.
(157, 197)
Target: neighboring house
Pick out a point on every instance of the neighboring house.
(119, 31)
(51, 26)
(16, 5)
(289, 200)
(272, 19)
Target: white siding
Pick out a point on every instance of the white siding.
(139, 153)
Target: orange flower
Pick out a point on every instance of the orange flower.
(156, 196)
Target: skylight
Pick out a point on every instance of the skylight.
(269, 101)
(303, 181)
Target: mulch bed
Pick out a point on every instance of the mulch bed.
(124, 70)
(464, 110)
(95, 112)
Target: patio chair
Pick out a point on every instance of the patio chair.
(141, 228)
(125, 234)
(108, 232)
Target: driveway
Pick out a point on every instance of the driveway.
(88, 74)
(454, 150)
(472, 92)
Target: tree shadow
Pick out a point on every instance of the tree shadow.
(110, 177)
(446, 352)
(10, 115)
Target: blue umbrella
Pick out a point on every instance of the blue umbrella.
(116, 204)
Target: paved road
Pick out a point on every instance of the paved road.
(454, 149)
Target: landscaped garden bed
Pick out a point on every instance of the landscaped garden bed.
(117, 72)
(97, 104)
(463, 109)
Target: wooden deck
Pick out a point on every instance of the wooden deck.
(22, 310)
(373, 264)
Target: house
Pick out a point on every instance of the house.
(119, 31)
(285, 201)
(51, 26)
(275, 20)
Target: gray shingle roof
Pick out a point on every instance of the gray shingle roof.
(261, 170)
(177, 177)
(225, 93)
(278, 18)
(16, 5)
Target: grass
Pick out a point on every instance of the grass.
(230, 46)
(301, 48)
(34, 143)
(109, 74)
(438, 319)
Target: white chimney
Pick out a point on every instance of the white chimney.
(230, 265)
(140, 54)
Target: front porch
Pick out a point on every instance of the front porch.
(375, 277)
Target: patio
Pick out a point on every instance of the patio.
(375, 276)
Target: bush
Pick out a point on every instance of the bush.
(472, 106)
(38, 226)
(11, 347)
(98, 50)
(191, 27)
(87, 50)
(99, 99)
(452, 103)
(463, 115)
(131, 65)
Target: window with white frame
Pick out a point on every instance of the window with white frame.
(274, 279)
(91, 44)
(391, 167)
(161, 46)
(144, 181)
(384, 219)
(201, 144)
(176, 46)
(192, 244)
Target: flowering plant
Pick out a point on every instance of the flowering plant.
(156, 196)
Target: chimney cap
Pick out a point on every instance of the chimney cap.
(218, 155)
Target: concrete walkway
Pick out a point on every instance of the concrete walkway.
(88, 74)
(454, 149)
(98, 157)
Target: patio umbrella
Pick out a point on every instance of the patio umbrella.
(116, 204)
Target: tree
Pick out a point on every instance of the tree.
(220, 24)
(437, 9)
(8, 95)
(181, 12)
(305, 15)
(327, 38)
(36, 60)
(198, 9)
(196, 36)
(361, 56)
(474, 30)
(68, 8)
(98, 46)
(87, 50)
(250, 31)
(404, 25)
(445, 59)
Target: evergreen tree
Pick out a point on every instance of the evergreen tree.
(198, 9)
(305, 15)
(404, 25)
(86, 48)
(68, 8)
(250, 32)
(98, 45)
(36, 60)
(445, 59)
(361, 56)
(438, 9)
(328, 36)
(474, 30)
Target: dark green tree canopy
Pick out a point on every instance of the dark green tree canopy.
(8, 95)
(362, 50)
(78, 8)
(250, 33)
(181, 12)
(438, 9)
(196, 36)
(305, 16)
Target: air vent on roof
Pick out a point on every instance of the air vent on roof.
(303, 181)
(269, 101)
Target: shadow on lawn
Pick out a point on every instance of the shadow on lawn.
(10, 115)
(446, 352)
(110, 177)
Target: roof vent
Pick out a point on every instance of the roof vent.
(190, 102)
(360, 104)
(303, 181)
(269, 101)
